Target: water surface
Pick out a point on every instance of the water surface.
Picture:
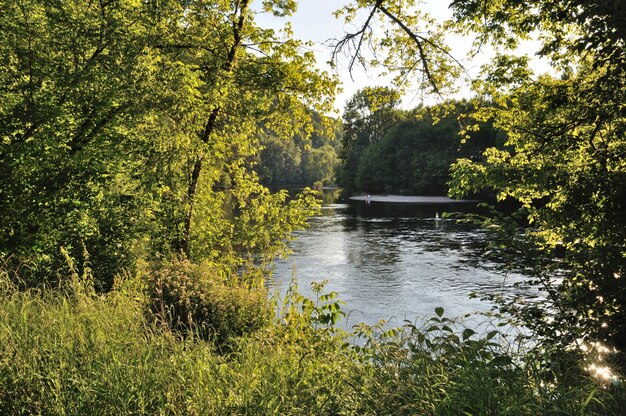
(395, 261)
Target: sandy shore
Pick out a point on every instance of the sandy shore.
(411, 199)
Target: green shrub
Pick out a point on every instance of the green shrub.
(318, 185)
(199, 298)
(438, 369)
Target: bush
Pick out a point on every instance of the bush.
(439, 370)
(199, 298)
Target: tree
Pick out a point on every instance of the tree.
(128, 127)
(71, 89)
(563, 159)
(366, 118)
(320, 164)
(256, 80)
(279, 162)
(563, 162)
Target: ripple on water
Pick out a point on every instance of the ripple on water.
(386, 266)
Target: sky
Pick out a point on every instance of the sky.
(314, 22)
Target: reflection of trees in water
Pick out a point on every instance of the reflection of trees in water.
(371, 246)
(380, 232)
(383, 228)
(330, 196)
(417, 223)
(424, 224)
(402, 210)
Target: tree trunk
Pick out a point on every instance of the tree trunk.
(204, 136)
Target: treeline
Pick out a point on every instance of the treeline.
(308, 157)
(388, 150)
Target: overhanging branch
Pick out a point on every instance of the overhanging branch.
(420, 41)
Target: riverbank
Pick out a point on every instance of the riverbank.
(412, 199)
(68, 351)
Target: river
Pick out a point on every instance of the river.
(395, 262)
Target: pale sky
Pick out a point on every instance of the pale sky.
(314, 22)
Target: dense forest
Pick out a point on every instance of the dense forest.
(388, 150)
(126, 132)
(138, 140)
(308, 157)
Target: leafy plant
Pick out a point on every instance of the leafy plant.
(200, 299)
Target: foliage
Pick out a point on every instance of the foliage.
(409, 43)
(414, 155)
(563, 162)
(280, 161)
(129, 127)
(441, 369)
(320, 164)
(70, 87)
(200, 299)
(367, 117)
(71, 351)
(569, 29)
(300, 312)
(65, 352)
(301, 159)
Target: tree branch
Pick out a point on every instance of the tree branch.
(349, 37)
(419, 41)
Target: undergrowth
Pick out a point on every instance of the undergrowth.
(71, 351)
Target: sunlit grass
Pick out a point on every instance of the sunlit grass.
(72, 352)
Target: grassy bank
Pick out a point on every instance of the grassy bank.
(70, 351)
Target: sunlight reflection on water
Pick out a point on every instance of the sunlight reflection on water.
(391, 261)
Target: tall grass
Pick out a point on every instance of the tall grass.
(74, 352)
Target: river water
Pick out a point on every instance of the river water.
(395, 262)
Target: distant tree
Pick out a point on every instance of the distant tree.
(285, 161)
(414, 156)
(320, 165)
(326, 130)
(366, 118)
(280, 162)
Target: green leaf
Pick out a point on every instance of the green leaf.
(491, 334)
(467, 333)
